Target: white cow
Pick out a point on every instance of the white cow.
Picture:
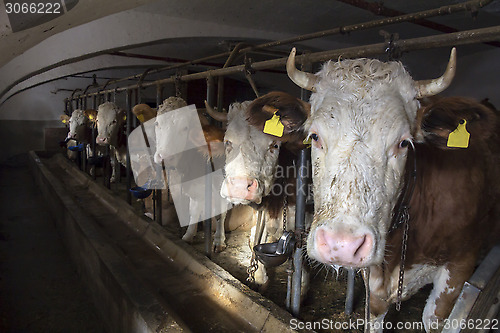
(110, 120)
(174, 133)
(258, 170)
(79, 130)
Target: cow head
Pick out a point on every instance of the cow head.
(166, 130)
(251, 154)
(179, 133)
(363, 114)
(110, 119)
(76, 123)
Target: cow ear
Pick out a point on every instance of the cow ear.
(292, 112)
(143, 112)
(91, 114)
(64, 118)
(448, 119)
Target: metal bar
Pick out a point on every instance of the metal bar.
(472, 5)
(158, 197)
(207, 225)
(128, 100)
(300, 214)
(437, 41)
(379, 9)
(92, 140)
(349, 298)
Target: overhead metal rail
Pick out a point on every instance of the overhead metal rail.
(406, 45)
(471, 6)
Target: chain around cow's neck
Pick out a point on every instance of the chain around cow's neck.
(402, 219)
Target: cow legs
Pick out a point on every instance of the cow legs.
(220, 236)
(114, 165)
(447, 286)
(194, 214)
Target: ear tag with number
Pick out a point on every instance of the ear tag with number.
(459, 138)
(274, 126)
(140, 117)
(307, 141)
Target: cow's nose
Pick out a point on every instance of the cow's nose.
(242, 188)
(101, 140)
(342, 248)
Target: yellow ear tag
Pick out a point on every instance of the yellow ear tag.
(124, 117)
(274, 126)
(140, 117)
(459, 138)
(64, 121)
(91, 117)
(307, 141)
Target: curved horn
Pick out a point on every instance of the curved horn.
(219, 116)
(302, 79)
(435, 86)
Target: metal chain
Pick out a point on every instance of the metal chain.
(405, 217)
(252, 269)
(254, 265)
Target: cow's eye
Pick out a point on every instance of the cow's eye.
(228, 145)
(114, 121)
(315, 137)
(404, 144)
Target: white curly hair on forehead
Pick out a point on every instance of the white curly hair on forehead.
(356, 81)
(171, 103)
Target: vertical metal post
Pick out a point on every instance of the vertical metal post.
(128, 98)
(92, 141)
(158, 193)
(207, 224)
(349, 299)
(300, 215)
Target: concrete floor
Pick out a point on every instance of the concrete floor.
(40, 290)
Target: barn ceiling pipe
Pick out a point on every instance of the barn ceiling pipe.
(441, 11)
(378, 8)
(421, 43)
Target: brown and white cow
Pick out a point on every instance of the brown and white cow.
(259, 168)
(364, 121)
(110, 120)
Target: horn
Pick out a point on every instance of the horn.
(219, 116)
(435, 86)
(302, 79)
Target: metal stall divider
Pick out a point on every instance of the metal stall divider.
(128, 106)
(207, 224)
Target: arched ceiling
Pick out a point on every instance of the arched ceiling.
(95, 34)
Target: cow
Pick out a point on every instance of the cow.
(79, 130)
(166, 133)
(75, 124)
(110, 120)
(259, 169)
(369, 134)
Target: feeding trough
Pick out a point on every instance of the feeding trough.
(140, 192)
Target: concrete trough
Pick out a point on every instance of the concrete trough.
(113, 257)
